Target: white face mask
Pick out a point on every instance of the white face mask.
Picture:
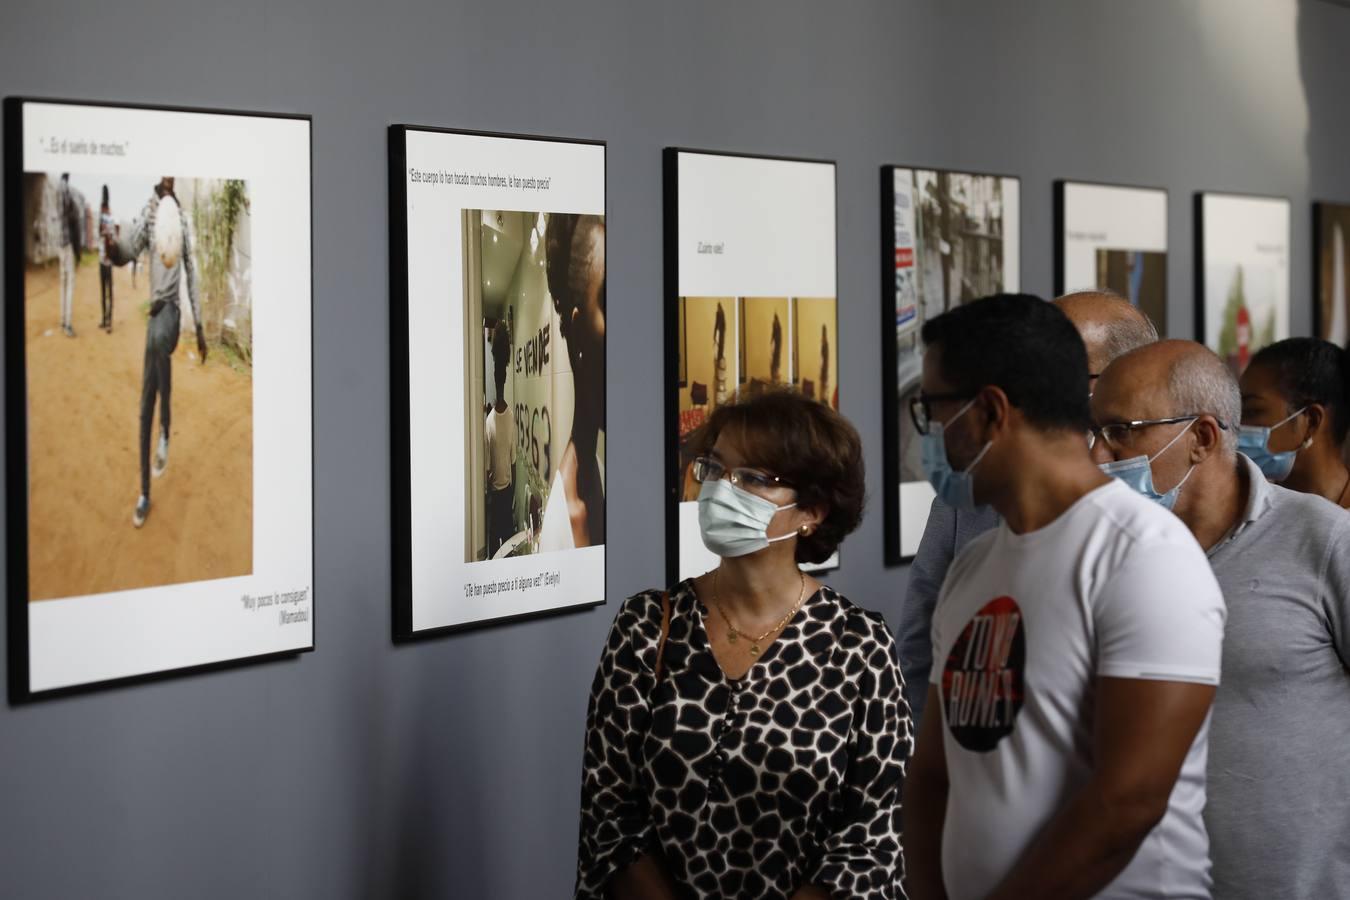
(734, 522)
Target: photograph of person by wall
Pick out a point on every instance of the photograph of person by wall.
(535, 382)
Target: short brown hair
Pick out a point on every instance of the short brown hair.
(808, 444)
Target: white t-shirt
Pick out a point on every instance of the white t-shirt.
(500, 430)
(1115, 587)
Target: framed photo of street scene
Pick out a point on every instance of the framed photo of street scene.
(158, 391)
(751, 306)
(497, 259)
(947, 237)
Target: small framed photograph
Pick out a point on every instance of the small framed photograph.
(1331, 239)
(158, 372)
(750, 305)
(947, 237)
(1242, 274)
(497, 260)
(1114, 237)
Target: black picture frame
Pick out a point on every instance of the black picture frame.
(670, 198)
(1320, 210)
(892, 518)
(16, 421)
(401, 487)
(1199, 282)
(1060, 187)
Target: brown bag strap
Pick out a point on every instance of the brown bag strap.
(665, 632)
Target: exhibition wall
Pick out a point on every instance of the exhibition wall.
(449, 767)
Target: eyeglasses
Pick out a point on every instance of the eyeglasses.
(921, 410)
(1117, 434)
(756, 481)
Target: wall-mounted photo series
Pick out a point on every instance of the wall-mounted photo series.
(1242, 274)
(751, 305)
(1113, 237)
(498, 332)
(1331, 239)
(158, 391)
(947, 238)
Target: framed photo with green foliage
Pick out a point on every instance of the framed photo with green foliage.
(1241, 274)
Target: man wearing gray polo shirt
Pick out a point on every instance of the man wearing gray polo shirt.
(1278, 810)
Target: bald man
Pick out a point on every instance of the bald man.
(1278, 813)
(1110, 326)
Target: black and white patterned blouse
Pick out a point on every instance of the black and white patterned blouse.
(754, 787)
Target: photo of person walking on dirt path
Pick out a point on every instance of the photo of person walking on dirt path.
(106, 229)
(72, 240)
(162, 229)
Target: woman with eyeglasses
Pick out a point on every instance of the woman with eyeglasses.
(1296, 416)
(747, 732)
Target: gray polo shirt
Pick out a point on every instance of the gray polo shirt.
(1279, 745)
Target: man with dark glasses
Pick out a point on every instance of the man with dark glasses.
(1076, 646)
(1110, 326)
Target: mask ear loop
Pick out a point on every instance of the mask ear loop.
(1308, 442)
(783, 537)
(983, 450)
(1173, 441)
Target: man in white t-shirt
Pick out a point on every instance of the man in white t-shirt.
(1076, 647)
(499, 432)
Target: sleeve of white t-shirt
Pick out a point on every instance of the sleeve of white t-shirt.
(1160, 617)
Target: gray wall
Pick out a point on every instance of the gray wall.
(449, 768)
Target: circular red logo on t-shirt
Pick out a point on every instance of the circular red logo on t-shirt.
(982, 680)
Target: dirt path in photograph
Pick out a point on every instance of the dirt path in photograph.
(84, 460)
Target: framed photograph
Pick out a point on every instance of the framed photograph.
(1242, 274)
(751, 304)
(1331, 238)
(158, 390)
(1114, 237)
(497, 262)
(947, 238)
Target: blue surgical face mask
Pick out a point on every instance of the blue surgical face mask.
(1254, 443)
(1137, 472)
(733, 521)
(957, 489)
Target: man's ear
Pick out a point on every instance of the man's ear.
(1208, 439)
(994, 403)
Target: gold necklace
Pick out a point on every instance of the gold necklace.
(734, 633)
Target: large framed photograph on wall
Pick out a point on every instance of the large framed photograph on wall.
(1113, 237)
(1242, 274)
(947, 238)
(158, 378)
(497, 261)
(1331, 239)
(751, 305)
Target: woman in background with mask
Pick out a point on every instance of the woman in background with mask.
(1296, 417)
(747, 731)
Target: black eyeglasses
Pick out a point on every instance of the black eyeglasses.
(756, 481)
(1116, 434)
(921, 411)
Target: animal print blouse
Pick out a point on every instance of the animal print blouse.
(753, 787)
